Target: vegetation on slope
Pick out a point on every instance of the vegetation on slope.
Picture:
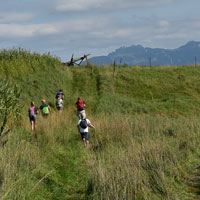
(18, 62)
(145, 145)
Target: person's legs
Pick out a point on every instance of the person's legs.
(32, 121)
(86, 136)
(59, 109)
(84, 142)
(32, 125)
(79, 114)
(87, 144)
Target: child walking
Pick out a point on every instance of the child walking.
(32, 112)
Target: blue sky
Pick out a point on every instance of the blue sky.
(97, 27)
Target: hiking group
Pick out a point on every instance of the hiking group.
(45, 109)
(33, 111)
(83, 122)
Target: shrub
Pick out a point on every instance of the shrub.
(9, 104)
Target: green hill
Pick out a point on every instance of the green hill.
(146, 141)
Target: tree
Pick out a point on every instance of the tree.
(9, 105)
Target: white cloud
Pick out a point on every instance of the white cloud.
(73, 26)
(171, 36)
(84, 25)
(17, 30)
(99, 32)
(15, 17)
(109, 5)
(79, 5)
(113, 33)
(163, 23)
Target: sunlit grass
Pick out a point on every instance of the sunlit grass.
(146, 141)
(143, 158)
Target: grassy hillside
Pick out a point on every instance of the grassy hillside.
(18, 62)
(146, 141)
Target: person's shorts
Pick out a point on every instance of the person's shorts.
(79, 113)
(59, 108)
(32, 118)
(45, 115)
(85, 135)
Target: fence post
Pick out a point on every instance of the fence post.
(114, 68)
(150, 62)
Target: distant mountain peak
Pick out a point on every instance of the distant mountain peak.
(139, 55)
(191, 44)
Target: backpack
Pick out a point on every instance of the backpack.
(80, 104)
(59, 94)
(45, 110)
(59, 103)
(83, 123)
(32, 111)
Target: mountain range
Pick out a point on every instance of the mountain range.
(187, 54)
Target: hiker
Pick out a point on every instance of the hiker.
(32, 112)
(45, 108)
(83, 125)
(60, 92)
(59, 103)
(80, 105)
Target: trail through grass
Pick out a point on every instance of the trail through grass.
(52, 165)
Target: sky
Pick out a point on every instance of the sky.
(96, 27)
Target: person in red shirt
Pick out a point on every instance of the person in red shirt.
(80, 105)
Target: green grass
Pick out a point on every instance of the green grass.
(144, 158)
(146, 142)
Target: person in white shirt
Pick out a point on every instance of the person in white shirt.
(59, 104)
(83, 125)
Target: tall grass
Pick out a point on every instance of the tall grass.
(143, 158)
(45, 164)
(129, 158)
(17, 62)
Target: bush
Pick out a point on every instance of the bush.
(9, 104)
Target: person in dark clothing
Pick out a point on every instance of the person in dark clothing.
(60, 93)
